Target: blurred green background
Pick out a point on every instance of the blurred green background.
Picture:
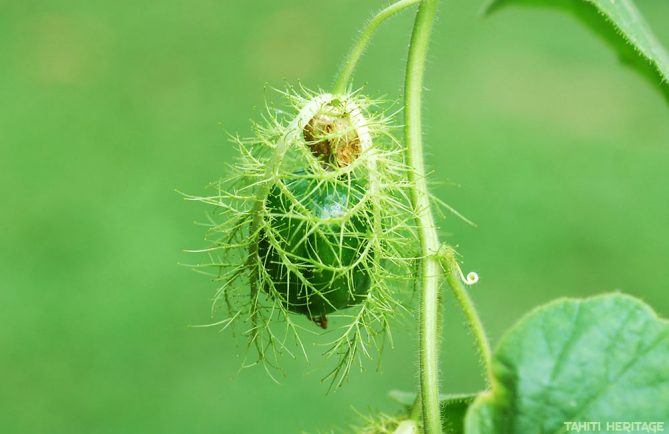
(535, 132)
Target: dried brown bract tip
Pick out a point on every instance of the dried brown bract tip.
(332, 137)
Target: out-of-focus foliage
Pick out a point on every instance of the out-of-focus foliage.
(622, 26)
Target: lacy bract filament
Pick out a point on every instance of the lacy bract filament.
(314, 220)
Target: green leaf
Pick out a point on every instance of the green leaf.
(622, 26)
(453, 408)
(453, 411)
(603, 359)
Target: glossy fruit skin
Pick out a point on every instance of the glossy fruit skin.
(325, 290)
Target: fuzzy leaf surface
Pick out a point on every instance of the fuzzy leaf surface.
(622, 26)
(453, 411)
(602, 359)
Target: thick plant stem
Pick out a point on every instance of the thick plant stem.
(455, 281)
(427, 231)
(346, 72)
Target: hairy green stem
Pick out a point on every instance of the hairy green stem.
(454, 279)
(346, 73)
(434, 257)
(427, 230)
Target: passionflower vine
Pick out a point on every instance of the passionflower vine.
(314, 220)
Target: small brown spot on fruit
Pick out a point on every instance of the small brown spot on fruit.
(322, 321)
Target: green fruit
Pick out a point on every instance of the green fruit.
(311, 222)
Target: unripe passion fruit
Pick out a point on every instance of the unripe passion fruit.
(323, 262)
